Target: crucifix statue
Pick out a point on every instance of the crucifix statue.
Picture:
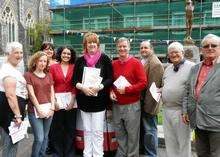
(189, 21)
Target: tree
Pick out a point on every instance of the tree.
(37, 34)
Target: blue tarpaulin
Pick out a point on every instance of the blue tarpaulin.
(59, 3)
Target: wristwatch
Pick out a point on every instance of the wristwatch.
(18, 116)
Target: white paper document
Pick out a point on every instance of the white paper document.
(91, 77)
(121, 82)
(63, 99)
(154, 92)
(18, 132)
(45, 108)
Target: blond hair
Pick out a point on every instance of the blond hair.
(90, 37)
(34, 59)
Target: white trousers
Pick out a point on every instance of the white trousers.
(93, 123)
(176, 133)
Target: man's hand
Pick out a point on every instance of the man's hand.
(185, 118)
(113, 96)
(121, 91)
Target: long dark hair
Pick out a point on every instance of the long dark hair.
(60, 50)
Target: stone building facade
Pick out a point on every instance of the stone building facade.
(16, 16)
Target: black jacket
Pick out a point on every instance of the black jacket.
(94, 103)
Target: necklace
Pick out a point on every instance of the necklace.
(39, 74)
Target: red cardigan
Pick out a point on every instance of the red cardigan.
(133, 71)
(62, 83)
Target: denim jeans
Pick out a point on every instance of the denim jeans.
(41, 127)
(9, 149)
(149, 140)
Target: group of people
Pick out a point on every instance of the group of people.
(190, 96)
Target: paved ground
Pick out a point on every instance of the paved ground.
(26, 144)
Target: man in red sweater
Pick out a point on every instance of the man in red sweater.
(126, 107)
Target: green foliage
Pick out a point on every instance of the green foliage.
(160, 117)
(38, 33)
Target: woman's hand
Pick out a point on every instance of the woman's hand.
(50, 114)
(41, 113)
(88, 91)
(56, 106)
(18, 120)
(72, 104)
(69, 107)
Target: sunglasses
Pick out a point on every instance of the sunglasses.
(209, 46)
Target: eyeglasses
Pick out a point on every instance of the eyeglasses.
(209, 46)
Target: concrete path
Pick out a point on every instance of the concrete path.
(26, 144)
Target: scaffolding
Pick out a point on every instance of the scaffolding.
(160, 21)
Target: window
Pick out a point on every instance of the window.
(96, 23)
(178, 19)
(9, 25)
(138, 20)
(41, 10)
(21, 11)
(29, 23)
(209, 20)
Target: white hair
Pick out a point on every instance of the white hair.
(210, 36)
(13, 45)
(148, 43)
(123, 39)
(177, 46)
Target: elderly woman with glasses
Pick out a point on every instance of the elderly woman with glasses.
(13, 94)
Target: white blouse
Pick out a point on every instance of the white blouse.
(8, 70)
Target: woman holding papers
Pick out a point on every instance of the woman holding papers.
(92, 78)
(13, 94)
(64, 119)
(41, 103)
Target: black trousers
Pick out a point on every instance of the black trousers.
(207, 143)
(63, 133)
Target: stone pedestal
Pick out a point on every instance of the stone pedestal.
(192, 53)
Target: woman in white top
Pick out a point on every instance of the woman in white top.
(13, 94)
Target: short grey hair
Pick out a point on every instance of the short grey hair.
(11, 46)
(123, 39)
(176, 46)
(148, 43)
(210, 36)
